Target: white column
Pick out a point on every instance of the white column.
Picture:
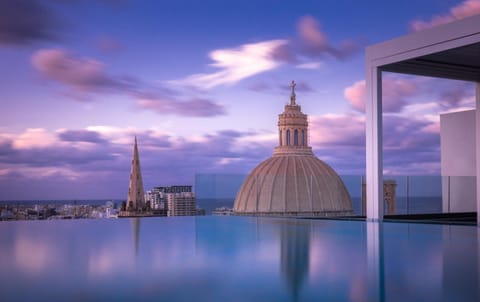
(477, 147)
(477, 163)
(374, 145)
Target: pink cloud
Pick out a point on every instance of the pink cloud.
(463, 10)
(411, 146)
(314, 42)
(310, 31)
(355, 94)
(85, 76)
(395, 92)
(34, 138)
(334, 130)
(80, 74)
(165, 159)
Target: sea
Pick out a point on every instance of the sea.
(404, 205)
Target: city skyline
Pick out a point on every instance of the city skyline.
(201, 86)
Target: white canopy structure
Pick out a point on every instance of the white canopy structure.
(449, 51)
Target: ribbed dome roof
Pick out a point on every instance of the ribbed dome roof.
(293, 181)
(293, 185)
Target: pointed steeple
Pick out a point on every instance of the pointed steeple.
(136, 198)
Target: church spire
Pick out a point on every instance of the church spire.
(136, 198)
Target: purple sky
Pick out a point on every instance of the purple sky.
(201, 84)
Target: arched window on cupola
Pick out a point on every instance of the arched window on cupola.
(288, 137)
(280, 137)
(303, 137)
(295, 137)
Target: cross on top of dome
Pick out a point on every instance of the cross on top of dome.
(292, 95)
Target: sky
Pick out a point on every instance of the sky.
(201, 84)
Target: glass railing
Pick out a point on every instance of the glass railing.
(403, 195)
(418, 194)
(459, 194)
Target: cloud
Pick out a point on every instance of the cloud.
(310, 65)
(81, 136)
(394, 94)
(41, 148)
(5, 147)
(102, 168)
(86, 76)
(194, 107)
(410, 147)
(463, 10)
(80, 74)
(53, 156)
(456, 94)
(34, 138)
(411, 139)
(314, 42)
(355, 95)
(98, 159)
(339, 140)
(337, 130)
(235, 64)
(26, 21)
(309, 30)
(412, 95)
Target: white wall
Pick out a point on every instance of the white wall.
(457, 141)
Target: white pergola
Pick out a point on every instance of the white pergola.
(449, 51)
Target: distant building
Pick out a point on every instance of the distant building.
(157, 200)
(389, 196)
(222, 211)
(173, 201)
(110, 210)
(174, 189)
(181, 204)
(6, 214)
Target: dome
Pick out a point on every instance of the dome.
(293, 182)
(293, 185)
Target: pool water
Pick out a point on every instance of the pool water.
(237, 259)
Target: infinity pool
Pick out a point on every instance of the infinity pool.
(236, 259)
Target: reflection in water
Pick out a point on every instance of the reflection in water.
(33, 254)
(295, 254)
(136, 234)
(375, 262)
(237, 258)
